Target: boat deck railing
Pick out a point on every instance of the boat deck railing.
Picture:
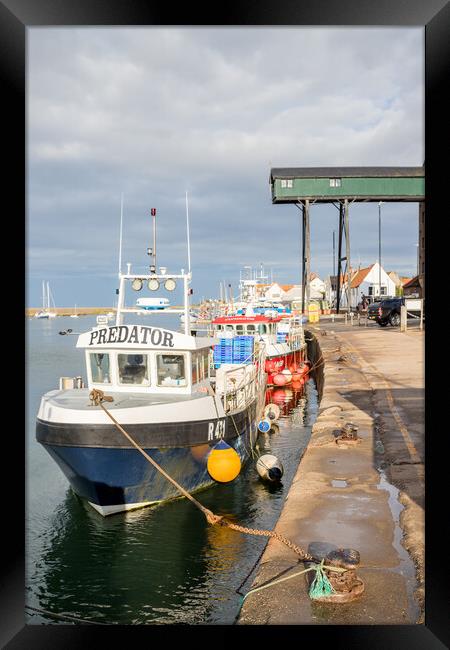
(242, 394)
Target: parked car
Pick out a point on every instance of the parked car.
(372, 309)
(387, 311)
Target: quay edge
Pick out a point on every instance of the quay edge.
(348, 496)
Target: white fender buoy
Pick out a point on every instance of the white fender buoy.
(269, 468)
(272, 411)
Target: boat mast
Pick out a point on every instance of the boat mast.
(188, 239)
(187, 315)
(120, 235)
(153, 213)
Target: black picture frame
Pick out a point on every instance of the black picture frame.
(15, 17)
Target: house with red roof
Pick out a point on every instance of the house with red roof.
(371, 281)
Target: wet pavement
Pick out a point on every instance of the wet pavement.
(350, 495)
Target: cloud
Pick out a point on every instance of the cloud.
(153, 112)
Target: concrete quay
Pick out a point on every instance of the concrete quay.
(367, 496)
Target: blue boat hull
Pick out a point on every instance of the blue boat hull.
(110, 477)
(120, 478)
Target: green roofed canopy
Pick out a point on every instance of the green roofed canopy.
(329, 184)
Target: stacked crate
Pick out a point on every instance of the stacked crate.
(235, 350)
(223, 352)
(242, 348)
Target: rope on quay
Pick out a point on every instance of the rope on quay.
(321, 584)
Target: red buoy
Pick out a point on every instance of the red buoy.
(279, 379)
(271, 365)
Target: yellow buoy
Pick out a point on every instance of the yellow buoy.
(224, 463)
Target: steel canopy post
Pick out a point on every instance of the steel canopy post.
(303, 257)
(307, 251)
(339, 269)
(347, 254)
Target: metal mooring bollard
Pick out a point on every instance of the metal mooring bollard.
(347, 586)
(348, 435)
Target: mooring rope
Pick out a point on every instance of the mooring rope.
(293, 575)
(97, 397)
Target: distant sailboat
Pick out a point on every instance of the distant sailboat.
(45, 311)
(74, 315)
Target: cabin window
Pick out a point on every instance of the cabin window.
(286, 183)
(200, 366)
(100, 368)
(250, 329)
(262, 328)
(171, 370)
(195, 373)
(205, 359)
(133, 369)
(229, 328)
(239, 329)
(335, 182)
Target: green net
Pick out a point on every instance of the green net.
(320, 586)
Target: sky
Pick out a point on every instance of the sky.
(155, 112)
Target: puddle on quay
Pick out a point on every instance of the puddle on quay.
(406, 566)
(340, 483)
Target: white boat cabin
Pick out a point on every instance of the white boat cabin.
(137, 358)
(272, 330)
(245, 325)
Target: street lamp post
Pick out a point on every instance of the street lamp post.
(379, 248)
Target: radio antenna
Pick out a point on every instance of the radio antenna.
(120, 236)
(188, 240)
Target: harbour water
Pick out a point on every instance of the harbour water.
(157, 565)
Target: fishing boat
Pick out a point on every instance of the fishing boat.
(45, 312)
(283, 337)
(169, 392)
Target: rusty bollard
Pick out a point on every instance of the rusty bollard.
(348, 435)
(347, 585)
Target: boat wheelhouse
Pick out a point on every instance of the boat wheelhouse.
(166, 392)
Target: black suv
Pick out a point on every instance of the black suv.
(386, 312)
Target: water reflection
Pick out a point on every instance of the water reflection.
(165, 564)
